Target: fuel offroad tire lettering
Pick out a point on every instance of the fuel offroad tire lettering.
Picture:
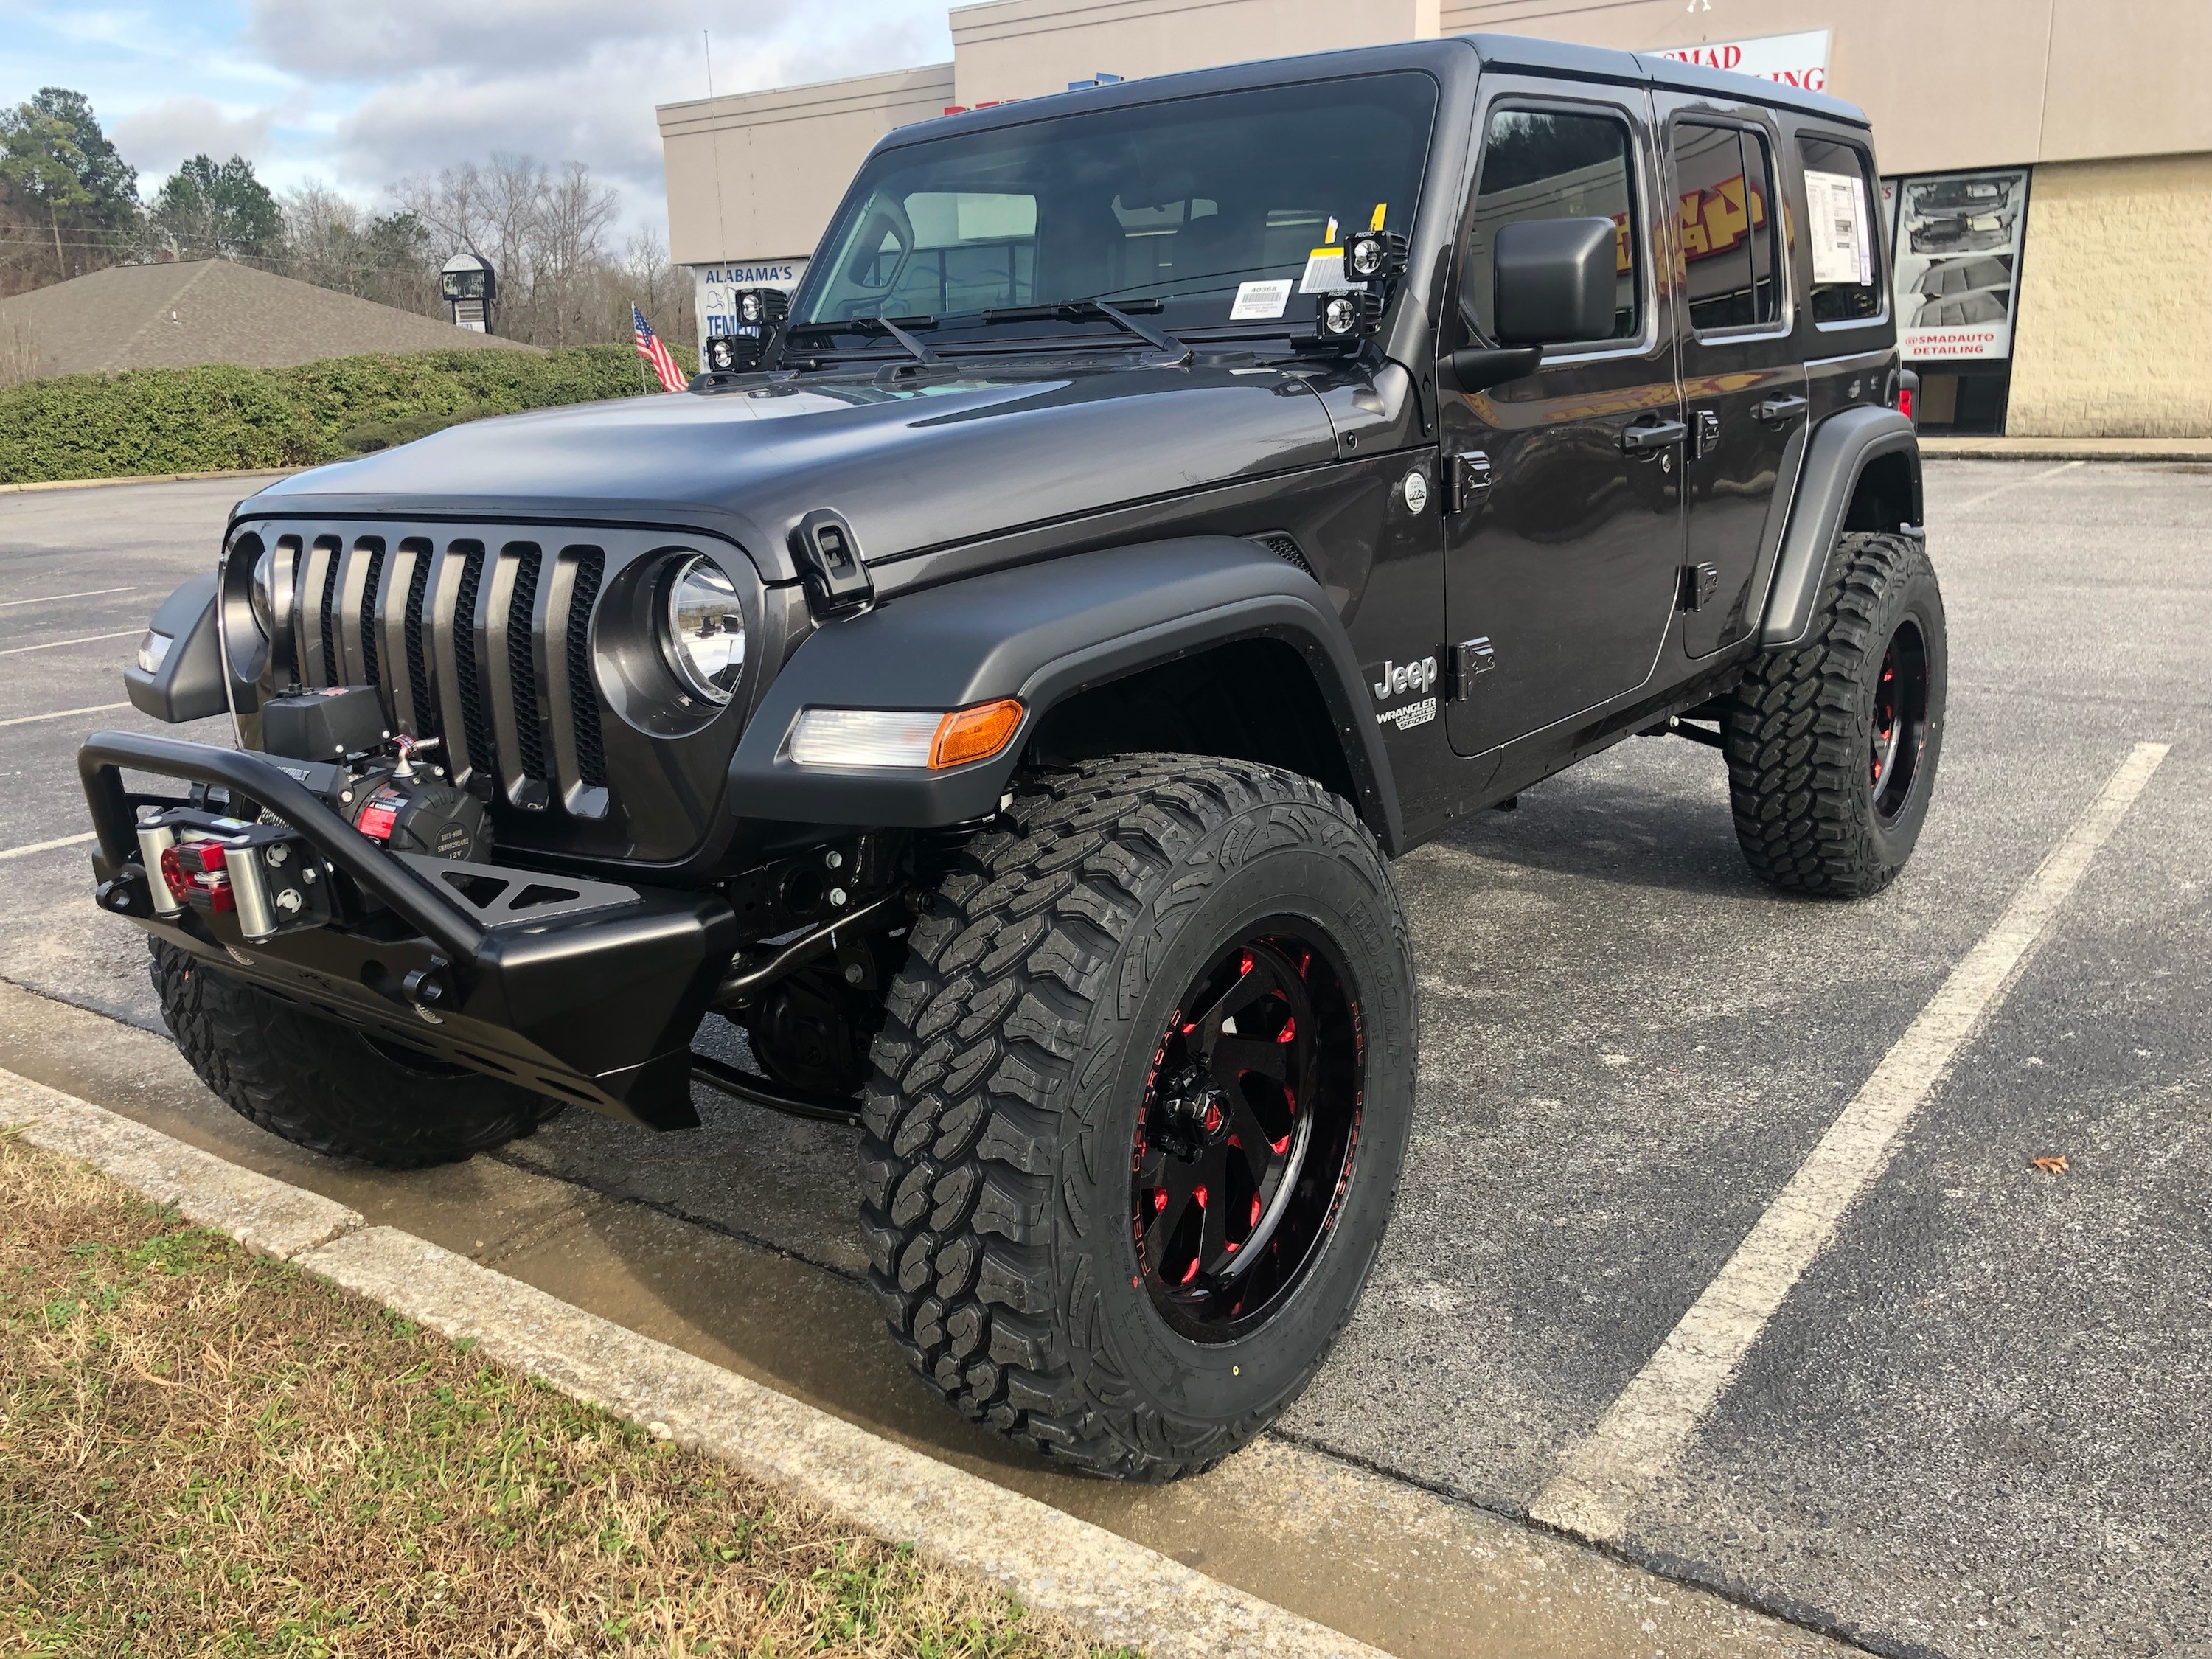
(324, 1086)
(1832, 747)
(1006, 1125)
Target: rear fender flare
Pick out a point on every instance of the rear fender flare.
(1042, 633)
(1838, 454)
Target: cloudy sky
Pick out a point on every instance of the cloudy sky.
(360, 93)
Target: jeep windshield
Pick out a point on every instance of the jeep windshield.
(1200, 212)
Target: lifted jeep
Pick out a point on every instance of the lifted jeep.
(999, 682)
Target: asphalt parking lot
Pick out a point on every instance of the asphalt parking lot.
(1976, 1424)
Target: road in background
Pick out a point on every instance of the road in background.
(1975, 1426)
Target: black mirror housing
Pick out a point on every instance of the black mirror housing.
(186, 682)
(1556, 280)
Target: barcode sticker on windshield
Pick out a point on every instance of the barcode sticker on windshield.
(1258, 300)
(1325, 273)
(1843, 251)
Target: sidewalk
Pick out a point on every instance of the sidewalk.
(2068, 449)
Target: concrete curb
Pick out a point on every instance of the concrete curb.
(149, 477)
(2067, 449)
(1115, 1591)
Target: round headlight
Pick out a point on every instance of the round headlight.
(268, 600)
(703, 629)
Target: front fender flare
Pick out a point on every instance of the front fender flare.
(1840, 449)
(1041, 633)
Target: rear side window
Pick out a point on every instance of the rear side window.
(1554, 164)
(1727, 225)
(1840, 227)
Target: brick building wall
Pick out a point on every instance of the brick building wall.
(2114, 323)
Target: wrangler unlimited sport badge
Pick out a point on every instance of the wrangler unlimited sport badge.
(1397, 679)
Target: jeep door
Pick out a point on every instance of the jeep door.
(1743, 384)
(1563, 528)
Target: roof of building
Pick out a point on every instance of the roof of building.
(214, 311)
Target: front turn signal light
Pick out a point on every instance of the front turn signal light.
(848, 738)
(973, 734)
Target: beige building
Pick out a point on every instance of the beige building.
(2048, 163)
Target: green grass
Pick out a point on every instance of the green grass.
(203, 1453)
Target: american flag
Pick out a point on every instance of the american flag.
(650, 348)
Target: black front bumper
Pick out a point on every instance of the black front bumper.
(597, 1007)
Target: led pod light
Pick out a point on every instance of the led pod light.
(1349, 316)
(908, 739)
(1373, 253)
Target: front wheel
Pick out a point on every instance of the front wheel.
(1140, 1103)
(1832, 747)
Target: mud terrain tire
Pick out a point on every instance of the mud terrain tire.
(1810, 809)
(1015, 1069)
(324, 1087)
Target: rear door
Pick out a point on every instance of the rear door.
(1743, 387)
(1563, 513)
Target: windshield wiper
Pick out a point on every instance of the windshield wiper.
(913, 348)
(1076, 310)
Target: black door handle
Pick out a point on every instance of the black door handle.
(1650, 436)
(1776, 411)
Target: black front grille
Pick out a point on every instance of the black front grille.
(477, 640)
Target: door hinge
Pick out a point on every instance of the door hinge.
(1467, 481)
(1699, 583)
(1708, 432)
(1470, 660)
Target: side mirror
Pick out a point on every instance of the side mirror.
(1556, 281)
(179, 673)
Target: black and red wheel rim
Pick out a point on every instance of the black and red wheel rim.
(1244, 1147)
(1898, 732)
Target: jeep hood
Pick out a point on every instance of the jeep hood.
(915, 458)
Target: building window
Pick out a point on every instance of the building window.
(1554, 164)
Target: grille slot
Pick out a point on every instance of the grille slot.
(369, 590)
(425, 708)
(522, 664)
(583, 701)
(475, 719)
(326, 631)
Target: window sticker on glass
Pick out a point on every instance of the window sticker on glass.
(1835, 203)
(1325, 273)
(1259, 299)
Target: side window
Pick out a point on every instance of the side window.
(1554, 164)
(1840, 198)
(1727, 226)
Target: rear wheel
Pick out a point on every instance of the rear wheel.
(326, 1087)
(1141, 1100)
(1832, 746)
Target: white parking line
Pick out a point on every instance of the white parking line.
(48, 846)
(87, 639)
(64, 713)
(1646, 1430)
(1967, 506)
(52, 598)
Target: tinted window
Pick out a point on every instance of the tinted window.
(1727, 229)
(1839, 198)
(1553, 164)
(1185, 201)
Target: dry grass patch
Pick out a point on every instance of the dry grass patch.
(203, 1453)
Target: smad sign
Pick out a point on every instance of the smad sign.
(1794, 60)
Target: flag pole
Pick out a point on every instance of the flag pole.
(642, 388)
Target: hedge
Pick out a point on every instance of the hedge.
(218, 415)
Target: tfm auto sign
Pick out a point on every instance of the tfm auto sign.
(1794, 60)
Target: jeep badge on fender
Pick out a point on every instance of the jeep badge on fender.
(966, 693)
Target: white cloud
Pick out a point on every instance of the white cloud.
(155, 138)
(350, 40)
